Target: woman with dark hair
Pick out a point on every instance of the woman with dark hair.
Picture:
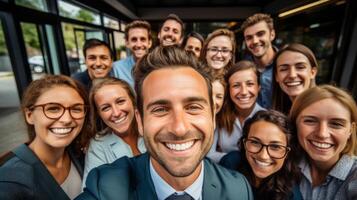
(295, 71)
(266, 158)
(113, 106)
(325, 118)
(240, 105)
(47, 167)
(218, 51)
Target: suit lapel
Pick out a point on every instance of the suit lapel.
(211, 185)
(145, 189)
(53, 189)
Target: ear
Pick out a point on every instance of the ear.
(150, 43)
(127, 43)
(29, 116)
(139, 122)
(181, 40)
(159, 35)
(272, 35)
(313, 72)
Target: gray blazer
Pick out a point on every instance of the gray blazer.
(129, 178)
(24, 176)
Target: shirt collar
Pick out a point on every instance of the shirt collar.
(164, 190)
(256, 108)
(340, 171)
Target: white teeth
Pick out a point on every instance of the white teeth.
(295, 83)
(263, 164)
(99, 69)
(61, 130)
(321, 145)
(180, 147)
(120, 119)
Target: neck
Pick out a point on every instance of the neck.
(131, 138)
(48, 155)
(319, 171)
(265, 60)
(178, 183)
(244, 113)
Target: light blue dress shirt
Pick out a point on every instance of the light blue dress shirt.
(164, 190)
(228, 142)
(340, 183)
(107, 149)
(122, 69)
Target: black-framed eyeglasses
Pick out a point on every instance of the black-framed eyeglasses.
(274, 150)
(56, 110)
(224, 52)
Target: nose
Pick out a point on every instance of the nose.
(179, 124)
(264, 153)
(323, 131)
(116, 111)
(255, 39)
(292, 72)
(66, 117)
(98, 62)
(244, 89)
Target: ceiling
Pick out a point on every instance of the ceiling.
(156, 10)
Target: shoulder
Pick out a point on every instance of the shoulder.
(231, 160)
(15, 184)
(122, 63)
(114, 179)
(230, 183)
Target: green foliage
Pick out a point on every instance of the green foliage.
(3, 50)
(30, 35)
(34, 4)
(85, 15)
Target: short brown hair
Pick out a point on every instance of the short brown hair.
(138, 24)
(256, 18)
(319, 93)
(177, 19)
(166, 57)
(37, 87)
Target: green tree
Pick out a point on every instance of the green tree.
(85, 15)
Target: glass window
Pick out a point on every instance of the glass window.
(122, 25)
(12, 128)
(119, 41)
(111, 23)
(74, 38)
(318, 30)
(35, 57)
(79, 13)
(34, 4)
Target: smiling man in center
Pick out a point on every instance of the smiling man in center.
(176, 118)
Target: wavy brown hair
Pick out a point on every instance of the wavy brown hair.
(40, 86)
(281, 100)
(277, 186)
(229, 112)
(98, 126)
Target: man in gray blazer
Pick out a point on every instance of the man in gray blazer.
(176, 118)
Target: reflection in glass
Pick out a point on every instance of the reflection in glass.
(120, 48)
(111, 23)
(75, 12)
(34, 4)
(33, 49)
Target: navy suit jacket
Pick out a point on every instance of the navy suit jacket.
(129, 178)
(24, 176)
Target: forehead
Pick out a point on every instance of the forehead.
(172, 24)
(110, 90)
(174, 84)
(220, 41)
(292, 57)
(217, 87)
(138, 32)
(335, 109)
(98, 50)
(243, 75)
(193, 41)
(60, 94)
(257, 27)
(267, 132)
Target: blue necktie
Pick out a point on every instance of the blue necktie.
(175, 196)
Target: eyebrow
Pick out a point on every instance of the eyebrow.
(186, 100)
(271, 142)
